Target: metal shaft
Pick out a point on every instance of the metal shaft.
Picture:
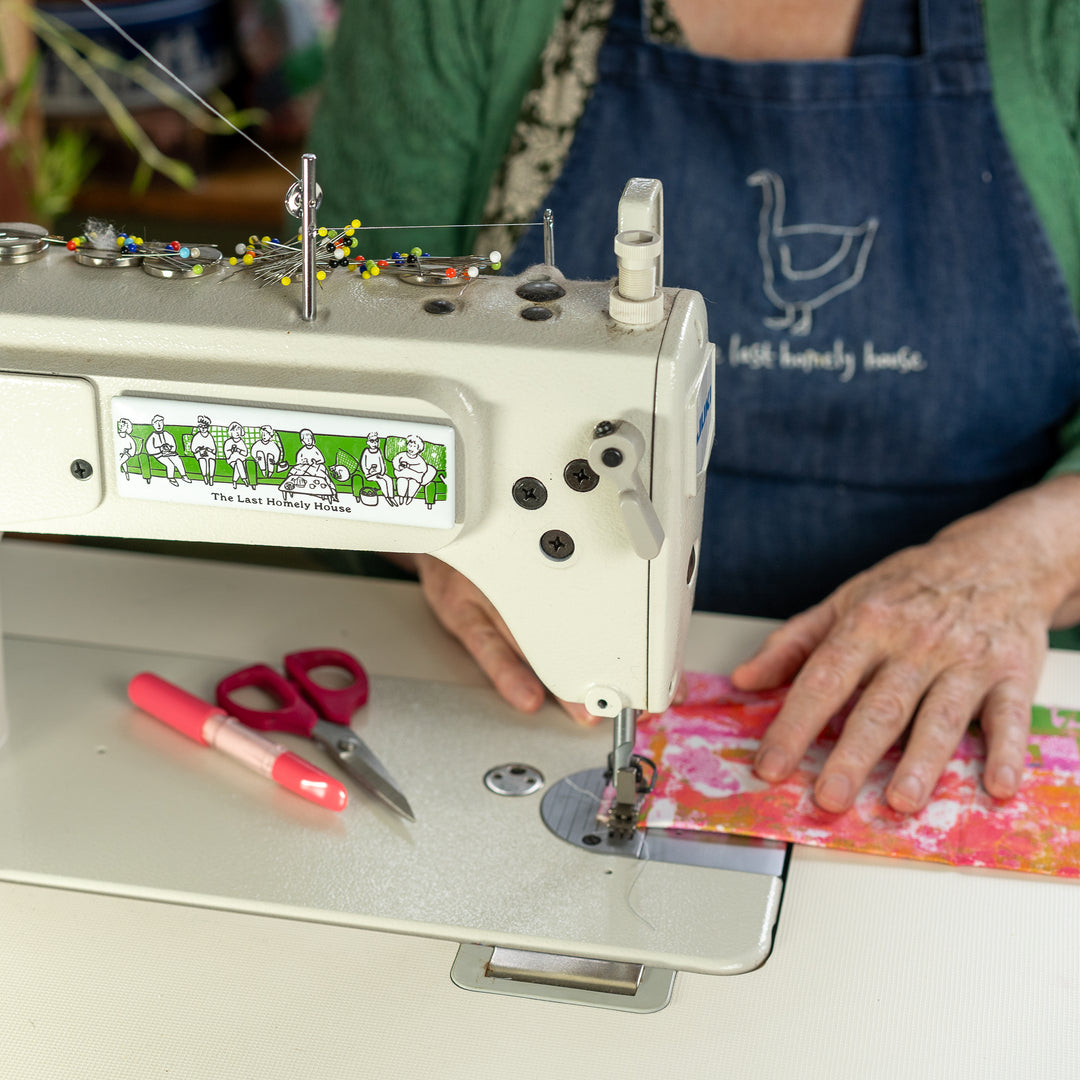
(307, 235)
(622, 822)
(625, 733)
(549, 238)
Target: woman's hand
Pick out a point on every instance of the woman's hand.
(464, 610)
(932, 636)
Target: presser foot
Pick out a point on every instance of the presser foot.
(632, 783)
(569, 806)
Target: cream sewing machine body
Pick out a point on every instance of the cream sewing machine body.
(548, 438)
(513, 402)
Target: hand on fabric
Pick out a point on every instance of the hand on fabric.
(932, 636)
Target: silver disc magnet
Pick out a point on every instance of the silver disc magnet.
(513, 778)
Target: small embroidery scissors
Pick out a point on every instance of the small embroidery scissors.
(318, 712)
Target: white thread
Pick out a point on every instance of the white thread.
(476, 225)
(262, 149)
(644, 856)
(641, 870)
(582, 791)
(180, 82)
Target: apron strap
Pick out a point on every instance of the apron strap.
(937, 28)
(952, 28)
(628, 18)
(888, 28)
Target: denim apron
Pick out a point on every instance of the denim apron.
(895, 341)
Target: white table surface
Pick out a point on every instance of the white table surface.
(880, 968)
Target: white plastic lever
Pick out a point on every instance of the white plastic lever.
(641, 206)
(616, 452)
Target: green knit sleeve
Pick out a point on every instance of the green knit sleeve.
(1034, 53)
(418, 105)
(1069, 441)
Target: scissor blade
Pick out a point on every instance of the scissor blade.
(355, 757)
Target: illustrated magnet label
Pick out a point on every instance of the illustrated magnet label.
(399, 472)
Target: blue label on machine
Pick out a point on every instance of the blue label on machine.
(704, 432)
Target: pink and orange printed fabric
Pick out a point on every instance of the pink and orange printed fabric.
(704, 750)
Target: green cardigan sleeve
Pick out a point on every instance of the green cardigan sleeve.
(1034, 53)
(418, 109)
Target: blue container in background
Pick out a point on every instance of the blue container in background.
(190, 37)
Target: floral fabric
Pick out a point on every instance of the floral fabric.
(704, 750)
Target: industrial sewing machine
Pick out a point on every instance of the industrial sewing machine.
(547, 438)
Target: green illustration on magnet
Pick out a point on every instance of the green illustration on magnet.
(396, 469)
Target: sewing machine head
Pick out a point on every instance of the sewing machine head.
(509, 425)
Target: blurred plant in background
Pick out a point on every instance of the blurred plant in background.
(65, 95)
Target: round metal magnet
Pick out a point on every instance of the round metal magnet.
(25, 257)
(169, 268)
(99, 257)
(22, 238)
(173, 266)
(513, 779)
(428, 277)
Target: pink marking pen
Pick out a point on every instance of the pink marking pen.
(211, 726)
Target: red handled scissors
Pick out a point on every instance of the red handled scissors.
(318, 712)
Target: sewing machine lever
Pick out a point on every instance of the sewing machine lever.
(616, 450)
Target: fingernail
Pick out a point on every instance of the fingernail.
(835, 790)
(739, 674)
(908, 789)
(772, 765)
(1006, 778)
(527, 696)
